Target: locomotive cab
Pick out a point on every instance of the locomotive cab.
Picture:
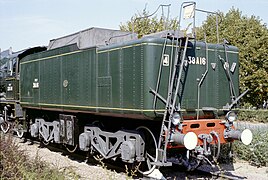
(12, 117)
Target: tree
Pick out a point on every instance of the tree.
(247, 33)
(148, 25)
(251, 37)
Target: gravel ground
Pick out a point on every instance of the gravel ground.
(83, 170)
(240, 170)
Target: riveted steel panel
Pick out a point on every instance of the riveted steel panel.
(118, 78)
(63, 78)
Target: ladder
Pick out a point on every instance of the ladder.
(172, 101)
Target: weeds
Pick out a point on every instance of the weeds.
(132, 172)
(100, 160)
(14, 164)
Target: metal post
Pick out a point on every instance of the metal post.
(217, 25)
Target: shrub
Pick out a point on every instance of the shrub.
(253, 115)
(256, 152)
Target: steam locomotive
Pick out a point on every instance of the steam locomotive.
(152, 101)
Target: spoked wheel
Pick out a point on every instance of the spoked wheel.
(5, 126)
(20, 131)
(70, 149)
(98, 158)
(151, 152)
(44, 142)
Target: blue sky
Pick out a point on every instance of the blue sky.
(29, 23)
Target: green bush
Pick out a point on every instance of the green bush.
(253, 115)
(14, 164)
(256, 152)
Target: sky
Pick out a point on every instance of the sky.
(30, 23)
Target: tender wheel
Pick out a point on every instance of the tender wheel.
(5, 126)
(43, 142)
(151, 152)
(20, 131)
(71, 149)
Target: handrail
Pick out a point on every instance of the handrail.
(161, 5)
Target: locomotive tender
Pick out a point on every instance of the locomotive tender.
(152, 101)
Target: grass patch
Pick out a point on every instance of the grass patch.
(255, 153)
(15, 164)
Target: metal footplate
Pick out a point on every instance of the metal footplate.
(160, 161)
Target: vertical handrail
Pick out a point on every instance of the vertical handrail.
(201, 81)
(171, 85)
(159, 73)
(231, 84)
(179, 77)
(171, 59)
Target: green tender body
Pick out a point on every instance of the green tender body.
(117, 78)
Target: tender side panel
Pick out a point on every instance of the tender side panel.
(120, 85)
(66, 81)
(50, 81)
(115, 79)
(126, 75)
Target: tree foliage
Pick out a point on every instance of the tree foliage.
(247, 33)
(148, 25)
(251, 37)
